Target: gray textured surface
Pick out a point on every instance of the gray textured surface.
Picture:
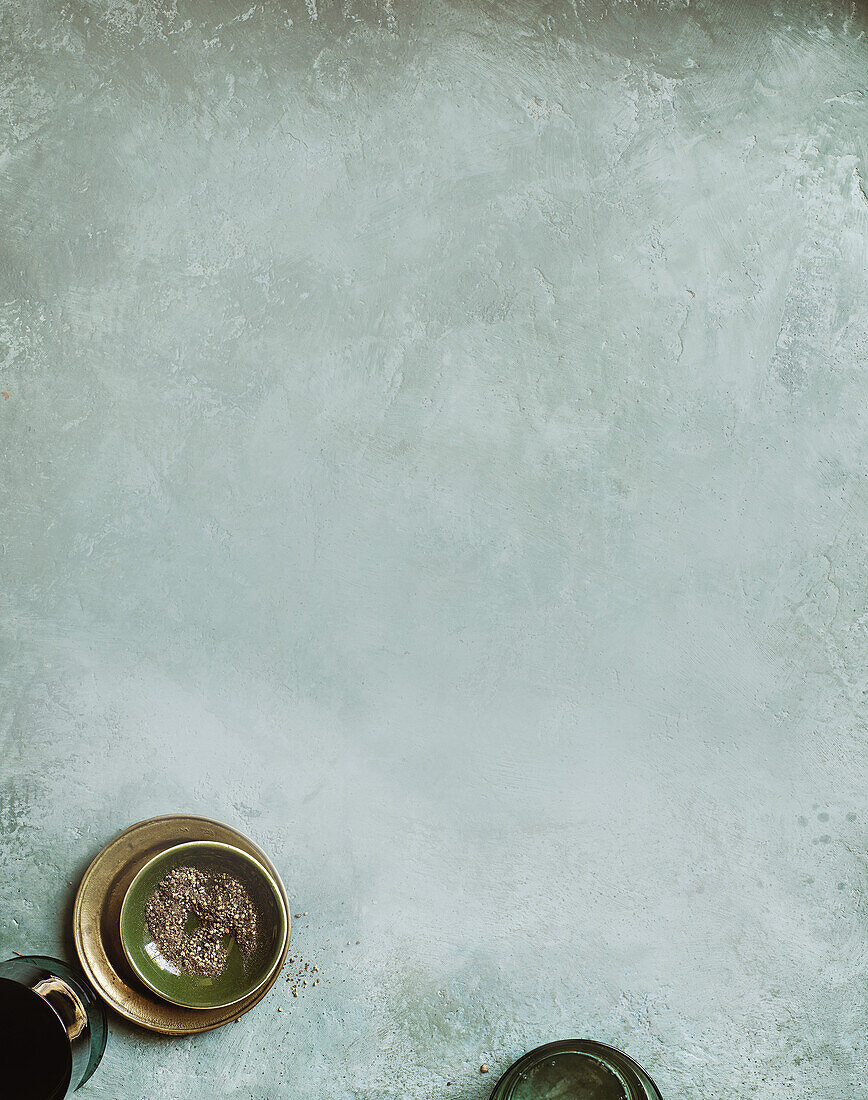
(435, 443)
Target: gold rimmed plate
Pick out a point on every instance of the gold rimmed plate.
(96, 923)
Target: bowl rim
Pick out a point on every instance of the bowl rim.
(205, 845)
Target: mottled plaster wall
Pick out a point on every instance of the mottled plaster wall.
(435, 443)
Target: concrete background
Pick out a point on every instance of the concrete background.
(434, 442)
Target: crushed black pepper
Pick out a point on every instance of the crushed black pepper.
(220, 906)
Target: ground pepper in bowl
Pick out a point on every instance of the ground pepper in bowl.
(192, 914)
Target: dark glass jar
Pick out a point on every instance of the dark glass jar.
(53, 1028)
(575, 1069)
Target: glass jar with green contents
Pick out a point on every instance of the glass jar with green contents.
(575, 1069)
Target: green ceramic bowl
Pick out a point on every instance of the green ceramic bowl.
(242, 976)
(579, 1068)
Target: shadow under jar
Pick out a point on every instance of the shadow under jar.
(52, 1028)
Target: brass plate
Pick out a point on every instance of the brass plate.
(96, 918)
